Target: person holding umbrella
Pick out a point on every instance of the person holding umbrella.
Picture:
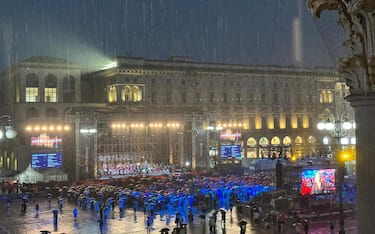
(242, 224)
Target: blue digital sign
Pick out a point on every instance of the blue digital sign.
(228, 151)
(46, 160)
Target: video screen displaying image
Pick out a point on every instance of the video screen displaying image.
(44, 140)
(228, 151)
(318, 181)
(46, 160)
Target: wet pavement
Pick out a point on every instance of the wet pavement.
(11, 221)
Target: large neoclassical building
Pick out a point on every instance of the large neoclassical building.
(173, 111)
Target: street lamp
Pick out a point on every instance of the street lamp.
(338, 129)
(7, 131)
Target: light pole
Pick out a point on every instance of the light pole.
(338, 129)
(7, 131)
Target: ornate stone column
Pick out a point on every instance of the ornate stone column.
(357, 17)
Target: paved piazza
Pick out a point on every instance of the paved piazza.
(12, 222)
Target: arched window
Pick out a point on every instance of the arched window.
(126, 94)
(32, 113)
(251, 142)
(251, 148)
(50, 89)
(51, 113)
(263, 141)
(137, 94)
(275, 141)
(263, 147)
(287, 141)
(112, 94)
(326, 96)
(32, 88)
(68, 89)
(298, 140)
(312, 140)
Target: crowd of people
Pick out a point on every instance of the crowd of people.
(118, 170)
(168, 194)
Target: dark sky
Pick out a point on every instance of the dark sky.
(223, 31)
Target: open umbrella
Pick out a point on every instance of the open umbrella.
(242, 223)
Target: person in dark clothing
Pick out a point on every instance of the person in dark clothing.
(306, 226)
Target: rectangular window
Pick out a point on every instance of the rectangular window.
(299, 98)
(212, 97)
(275, 99)
(238, 98)
(169, 98)
(251, 98)
(32, 94)
(197, 97)
(183, 97)
(50, 95)
(153, 97)
(287, 98)
(225, 98)
(263, 97)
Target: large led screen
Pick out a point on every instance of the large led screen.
(46, 160)
(318, 181)
(228, 151)
(46, 141)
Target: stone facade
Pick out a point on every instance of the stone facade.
(173, 111)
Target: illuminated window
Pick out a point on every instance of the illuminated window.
(131, 94)
(251, 142)
(137, 94)
(326, 96)
(275, 141)
(32, 88)
(50, 95)
(287, 140)
(32, 94)
(112, 94)
(298, 140)
(50, 90)
(126, 94)
(263, 141)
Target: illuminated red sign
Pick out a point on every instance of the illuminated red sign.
(229, 135)
(44, 140)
